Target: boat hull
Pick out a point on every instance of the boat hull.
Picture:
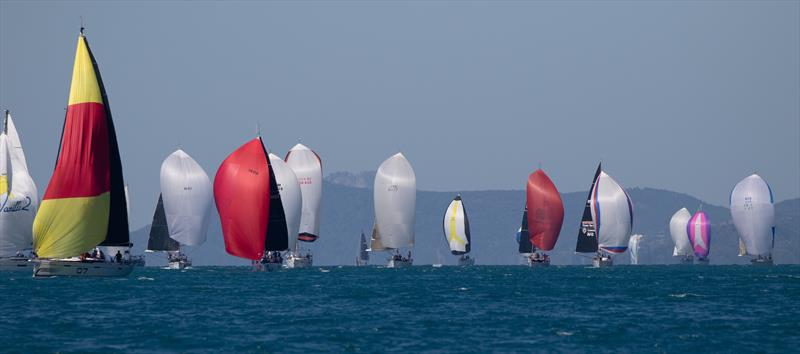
(762, 262)
(462, 262)
(701, 261)
(293, 262)
(538, 263)
(686, 260)
(602, 262)
(399, 264)
(179, 264)
(15, 264)
(361, 262)
(267, 267)
(66, 268)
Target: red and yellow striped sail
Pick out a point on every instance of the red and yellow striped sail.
(76, 211)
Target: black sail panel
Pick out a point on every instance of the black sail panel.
(525, 245)
(159, 231)
(468, 247)
(277, 237)
(587, 234)
(117, 234)
(364, 255)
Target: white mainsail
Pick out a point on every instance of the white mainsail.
(291, 197)
(753, 214)
(395, 198)
(612, 211)
(456, 227)
(19, 197)
(677, 229)
(186, 194)
(307, 166)
(633, 245)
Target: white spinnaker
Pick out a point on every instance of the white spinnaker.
(19, 200)
(677, 229)
(307, 166)
(612, 211)
(455, 226)
(291, 197)
(395, 198)
(753, 214)
(633, 247)
(186, 194)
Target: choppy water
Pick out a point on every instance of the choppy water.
(421, 309)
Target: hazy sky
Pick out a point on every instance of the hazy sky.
(686, 96)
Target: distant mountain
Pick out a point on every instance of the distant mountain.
(494, 218)
(364, 179)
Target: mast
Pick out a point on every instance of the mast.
(587, 234)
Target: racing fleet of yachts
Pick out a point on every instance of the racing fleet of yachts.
(268, 204)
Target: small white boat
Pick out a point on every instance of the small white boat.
(296, 260)
(680, 236)
(602, 260)
(73, 267)
(183, 209)
(606, 232)
(394, 201)
(456, 232)
(753, 212)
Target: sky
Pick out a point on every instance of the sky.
(678, 95)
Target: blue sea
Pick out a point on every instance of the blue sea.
(635, 309)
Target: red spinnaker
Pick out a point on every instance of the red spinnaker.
(545, 211)
(241, 191)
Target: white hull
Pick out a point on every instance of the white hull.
(398, 264)
(294, 262)
(70, 268)
(15, 264)
(179, 264)
(466, 262)
(602, 262)
(701, 261)
(761, 262)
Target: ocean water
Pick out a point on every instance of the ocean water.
(632, 309)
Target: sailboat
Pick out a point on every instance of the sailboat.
(545, 215)
(456, 231)
(633, 245)
(699, 231)
(183, 209)
(395, 198)
(250, 207)
(19, 199)
(84, 205)
(363, 255)
(307, 166)
(292, 203)
(607, 220)
(753, 212)
(678, 231)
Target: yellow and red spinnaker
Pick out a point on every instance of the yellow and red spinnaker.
(76, 210)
